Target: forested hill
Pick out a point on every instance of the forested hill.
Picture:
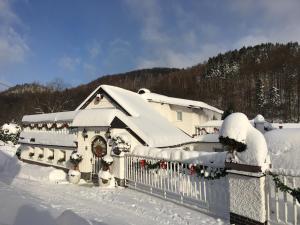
(261, 79)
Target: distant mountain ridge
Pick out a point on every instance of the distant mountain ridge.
(261, 79)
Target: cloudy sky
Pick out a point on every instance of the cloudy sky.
(78, 40)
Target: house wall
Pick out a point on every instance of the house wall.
(103, 103)
(57, 151)
(191, 117)
(85, 148)
(207, 146)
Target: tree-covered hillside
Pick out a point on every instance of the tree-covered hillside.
(261, 79)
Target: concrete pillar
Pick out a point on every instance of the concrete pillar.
(247, 196)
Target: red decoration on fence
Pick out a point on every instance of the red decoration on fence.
(192, 170)
(142, 163)
(163, 165)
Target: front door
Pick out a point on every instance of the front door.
(99, 149)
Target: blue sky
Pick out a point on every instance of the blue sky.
(78, 41)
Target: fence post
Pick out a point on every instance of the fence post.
(247, 197)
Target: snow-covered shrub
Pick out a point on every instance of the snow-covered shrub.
(106, 179)
(121, 143)
(10, 132)
(108, 159)
(75, 158)
(246, 144)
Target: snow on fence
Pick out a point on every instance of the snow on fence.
(179, 182)
(282, 208)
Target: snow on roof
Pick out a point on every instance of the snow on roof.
(284, 149)
(212, 123)
(143, 120)
(285, 125)
(177, 101)
(94, 117)
(47, 138)
(50, 117)
(208, 138)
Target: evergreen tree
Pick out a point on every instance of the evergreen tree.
(260, 95)
(274, 101)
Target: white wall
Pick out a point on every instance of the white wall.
(191, 118)
(47, 151)
(103, 103)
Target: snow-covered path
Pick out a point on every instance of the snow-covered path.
(28, 197)
(119, 206)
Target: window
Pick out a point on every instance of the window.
(179, 116)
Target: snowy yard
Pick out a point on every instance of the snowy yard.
(30, 198)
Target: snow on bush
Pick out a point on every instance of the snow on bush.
(11, 128)
(247, 143)
(57, 176)
(121, 143)
(75, 158)
(108, 159)
(9, 133)
(105, 175)
(284, 149)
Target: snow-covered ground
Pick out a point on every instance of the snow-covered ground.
(29, 197)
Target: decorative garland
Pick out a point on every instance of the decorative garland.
(47, 126)
(209, 173)
(295, 192)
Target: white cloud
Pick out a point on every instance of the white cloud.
(13, 46)
(94, 49)
(278, 21)
(179, 46)
(69, 63)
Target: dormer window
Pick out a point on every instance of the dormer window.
(179, 116)
(98, 98)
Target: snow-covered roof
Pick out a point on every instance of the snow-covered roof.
(50, 117)
(177, 101)
(285, 125)
(142, 119)
(94, 117)
(47, 138)
(212, 138)
(212, 123)
(284, 150)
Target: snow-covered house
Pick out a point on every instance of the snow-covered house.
(185, 114)
(110, 120)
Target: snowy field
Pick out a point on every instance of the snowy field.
(29, 197)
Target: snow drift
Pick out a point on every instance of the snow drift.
(284, 149)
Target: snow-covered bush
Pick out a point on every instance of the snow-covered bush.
(75, 158)
(10, 132)
(108, 159)
(106, 179)
(246, 144)
(121, 143)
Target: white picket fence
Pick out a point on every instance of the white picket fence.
(177, 182)
(282, 208)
